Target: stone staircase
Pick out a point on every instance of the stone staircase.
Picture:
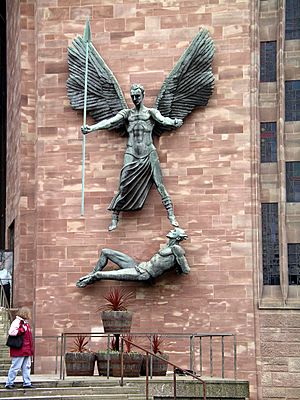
(4, 350)
(95, 389)
(49, 387)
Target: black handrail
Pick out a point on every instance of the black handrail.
(175, 367)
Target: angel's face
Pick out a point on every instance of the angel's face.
(137, 97)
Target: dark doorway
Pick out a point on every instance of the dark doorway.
(2, 121)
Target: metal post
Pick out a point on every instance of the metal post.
(56, 355)
(211, 355)
(151, 357)
(64, 339)
(223, 361)
(122, 362)
(234, 357)
(192, 353)
(204, 390)
(108, 356)
(61, 352)
(200, 355)
(147, 375)
(174, 383)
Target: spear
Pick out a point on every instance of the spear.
(86, 39)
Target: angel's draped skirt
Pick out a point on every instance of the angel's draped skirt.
(136, 179)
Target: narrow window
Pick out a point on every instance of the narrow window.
(268, 142)
(293, 181)
(270, 244)
(294, 263)
(292, 19)
(268, 61)
(292, 100)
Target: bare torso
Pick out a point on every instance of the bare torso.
(159, 263)
(139, 128)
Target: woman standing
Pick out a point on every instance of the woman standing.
(21, 358)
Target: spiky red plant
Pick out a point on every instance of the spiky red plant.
(128, 346)
(156, 342)
(117, 300)
(80, 344)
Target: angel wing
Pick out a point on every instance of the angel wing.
(104, 95)
(190, 83)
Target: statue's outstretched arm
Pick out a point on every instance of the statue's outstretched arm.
(106, 123)
(180, 258)
(165, 121)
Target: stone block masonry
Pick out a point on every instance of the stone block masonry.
(206, 168)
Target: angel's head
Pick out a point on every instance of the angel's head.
(137, 93)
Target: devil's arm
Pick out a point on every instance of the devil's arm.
(179, 254)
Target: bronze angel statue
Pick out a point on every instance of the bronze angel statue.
(189, 85)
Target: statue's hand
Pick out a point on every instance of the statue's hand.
(86, 129)
(178, 122)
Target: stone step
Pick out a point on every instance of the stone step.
(31, 396)
(70, 391)
(5, 365)
(96, 394)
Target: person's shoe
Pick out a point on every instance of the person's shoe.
(28, 387)
(10, 387)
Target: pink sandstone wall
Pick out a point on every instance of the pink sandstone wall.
(206, 166)
(21, 188)
(14, 147)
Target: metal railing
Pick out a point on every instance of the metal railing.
(5, 306)
(210, 337)
(207, 354)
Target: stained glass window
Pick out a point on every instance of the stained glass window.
(292, 100)
(294, 263)
(270, 244)
(268, 61)
(268, 142)
(292, 19)
(293, 181)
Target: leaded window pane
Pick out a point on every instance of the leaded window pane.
(292, 100)
(293, 181)
(270, 244)
(268, 142)
(294, 263)
(292, 19)
(268, 61)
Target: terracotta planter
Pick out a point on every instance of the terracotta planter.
(116, 321)
(132, 364)
(159, 367)
(80, 364)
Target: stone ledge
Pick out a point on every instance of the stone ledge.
(187, 389)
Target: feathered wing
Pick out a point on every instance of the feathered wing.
(104, 95)
(190, 83)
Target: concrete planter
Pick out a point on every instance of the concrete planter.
(102, 359)
(159, 367)
(116, 321)
(132, 364)
(80, 364)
